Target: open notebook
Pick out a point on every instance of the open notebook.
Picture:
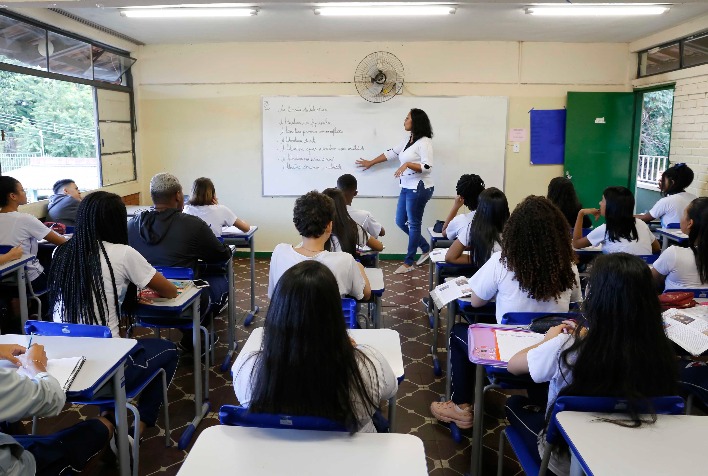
(64, 370)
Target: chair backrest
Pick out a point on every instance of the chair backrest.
(43, 328)
(239, 416)
(673, 226)
(349, 310)
(660, 405)
(173, 272)
(698, 293)
(525, 318)
(649, 258)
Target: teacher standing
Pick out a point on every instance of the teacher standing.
(415, 153)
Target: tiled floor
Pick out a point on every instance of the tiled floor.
(402, 311)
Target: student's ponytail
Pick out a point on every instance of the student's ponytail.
(698, 236)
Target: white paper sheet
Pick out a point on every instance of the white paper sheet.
(511, 342)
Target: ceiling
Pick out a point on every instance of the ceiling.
(476, 20)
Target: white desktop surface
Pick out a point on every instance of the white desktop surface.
(270, 452)
(672, 445)
(386, 341)
(674, 232)
(376, 278)
(101, 354)
(233, 232)
(436, 235)
(181, 301)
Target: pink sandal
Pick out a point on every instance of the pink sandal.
(449, 412)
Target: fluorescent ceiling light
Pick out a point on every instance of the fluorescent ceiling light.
(190, 12)
(603, 10)
(400, 10)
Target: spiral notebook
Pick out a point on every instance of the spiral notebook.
(64, 370)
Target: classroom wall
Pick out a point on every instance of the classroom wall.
(198, 108)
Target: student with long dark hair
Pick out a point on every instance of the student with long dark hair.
(307, 364)
(347, 235)
(482, 236)
(562, 193)
(680, 267)
(622, 352)
(90, 281)
(534, 274)
(468, 188)
(204, 204)
(675, 199)
(415, 153)
(621, 230)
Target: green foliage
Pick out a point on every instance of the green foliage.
(58, 113)
(656, 122)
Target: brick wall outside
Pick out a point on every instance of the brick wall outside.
(689, 131)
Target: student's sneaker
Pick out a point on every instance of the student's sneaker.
(449, 412)
(423, 258)
(112, 457)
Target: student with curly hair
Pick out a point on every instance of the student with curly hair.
(675, 199)
(621, 231)
(468, 188)
(313, 216)
(534, 272)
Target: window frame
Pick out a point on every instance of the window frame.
(681, 44)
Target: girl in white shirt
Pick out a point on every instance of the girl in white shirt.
(307, 364)
(686, 268)
(347, 235)
(415, 153)
(621, 231)
(673, 184)
(622, 352)
(204, 204)
(468, 188)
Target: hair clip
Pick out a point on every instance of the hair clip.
(679, 165)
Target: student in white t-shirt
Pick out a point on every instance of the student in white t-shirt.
(686, 268)
(468, 188)
(673, 184)
(606, 357)
(347, 235)
(204, 204)
(482, 237)
(348, 185)
(90, 282)
(537, 275)
(621, 231)
(312, 215)
(307, 364)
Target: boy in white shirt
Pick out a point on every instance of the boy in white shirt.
(468, 188)
(348, 185)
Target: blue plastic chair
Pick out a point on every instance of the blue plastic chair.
(349, 310)
(649, 258)
(174, 272)
(42, 328)
(233, 415)
(531, 461)
(697, 293)
(673, 226)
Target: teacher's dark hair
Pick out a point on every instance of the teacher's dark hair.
(697, 211)
(8, 185)
(304, 328)
(312, 213)
(420, 125)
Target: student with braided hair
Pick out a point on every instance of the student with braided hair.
(468, 188)
(675, 199)
(95, 274)
(533, 275)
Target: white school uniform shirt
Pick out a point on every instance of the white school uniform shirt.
(366, 221)
(23, 229)
(383, 387)
(420, 152)
(216, 216)
(459, 224)
(464, 239)
(679, 266)
(342, 265)
(494, 279)
(640, 246)
(670, 208)
(129, 266)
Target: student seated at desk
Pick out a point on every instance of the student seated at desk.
(347, 235)
(562, 193)
(9, 324)
(468, 188)
(622, 352)
(621, 231)
(204, 204)
(39, 394)
(680, 267)
(94, 275)
(675, 199)
(64, 203)
(482, 237)
(348, 185)
(313, 215)
(307, 364)
(536, 275)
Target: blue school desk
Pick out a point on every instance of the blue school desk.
(671, 234)
(18, 266)
(104, 363)
(246, 240)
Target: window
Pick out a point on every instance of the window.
(679, 54)
(695, 51)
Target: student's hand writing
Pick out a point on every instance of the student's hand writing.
(14, 253)
(365, 164)
(595, 212)
(399, 171)
(10, 352)
(35, 359)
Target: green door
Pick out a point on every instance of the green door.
(598, 142)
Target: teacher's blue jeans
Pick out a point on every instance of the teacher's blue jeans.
(409, 216)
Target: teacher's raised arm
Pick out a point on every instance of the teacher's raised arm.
(415, 154)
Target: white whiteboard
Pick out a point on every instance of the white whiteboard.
(308, 142)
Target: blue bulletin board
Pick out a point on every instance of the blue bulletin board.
(547, 136)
